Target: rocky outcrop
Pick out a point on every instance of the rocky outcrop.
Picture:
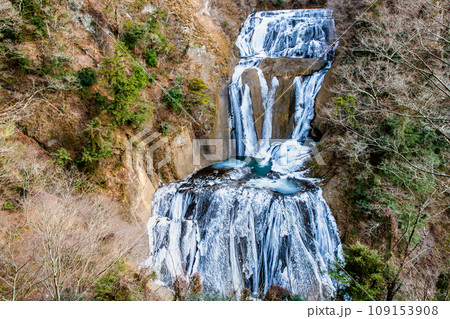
(285, 69)
(140, 187)
(181, 154)
(158, 293)
(290, 67)
(251, 77)
(322, 108)
(171, 157)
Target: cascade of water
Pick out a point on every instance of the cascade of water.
(293, 33)
(239, 229)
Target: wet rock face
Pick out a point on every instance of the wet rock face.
(251, 77)
(284, 109)
(142, 184)
(285, 69)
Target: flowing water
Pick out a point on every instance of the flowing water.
(256, 220)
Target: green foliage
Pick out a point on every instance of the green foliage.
(374, 7)
(9, 31)
(152, 78)
(394, 133)
(361, 196)
(363, 275)
(160, 43)
(126, 106)
(62, 157)
(20, 61)
(56, 66)
(8, 206)
(413, 140)
(225, 24)
(156, 19)
(196, 85)
(124, 87)
(133, 32)
(405, 213)
(196, 98)
(179, 79)
(400, 143)
(173, 97)
(32, 11)
(165, 128)
(39, 23)
(150, 57)
(443, 286)
(30, 8)
(99, 144)
(148, 32)
(115, 286)
(346, 104)
(87, 76)
(16, 58)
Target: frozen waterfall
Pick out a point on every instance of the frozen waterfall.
(256, 220)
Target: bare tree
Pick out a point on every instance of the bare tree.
(17, 275)
(69, 231)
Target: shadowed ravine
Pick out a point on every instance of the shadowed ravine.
(258, 220)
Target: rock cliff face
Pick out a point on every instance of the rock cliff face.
(332, 175)
(142, 178)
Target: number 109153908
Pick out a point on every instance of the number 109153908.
(403, 310)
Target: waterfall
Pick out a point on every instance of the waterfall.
(256, 220)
